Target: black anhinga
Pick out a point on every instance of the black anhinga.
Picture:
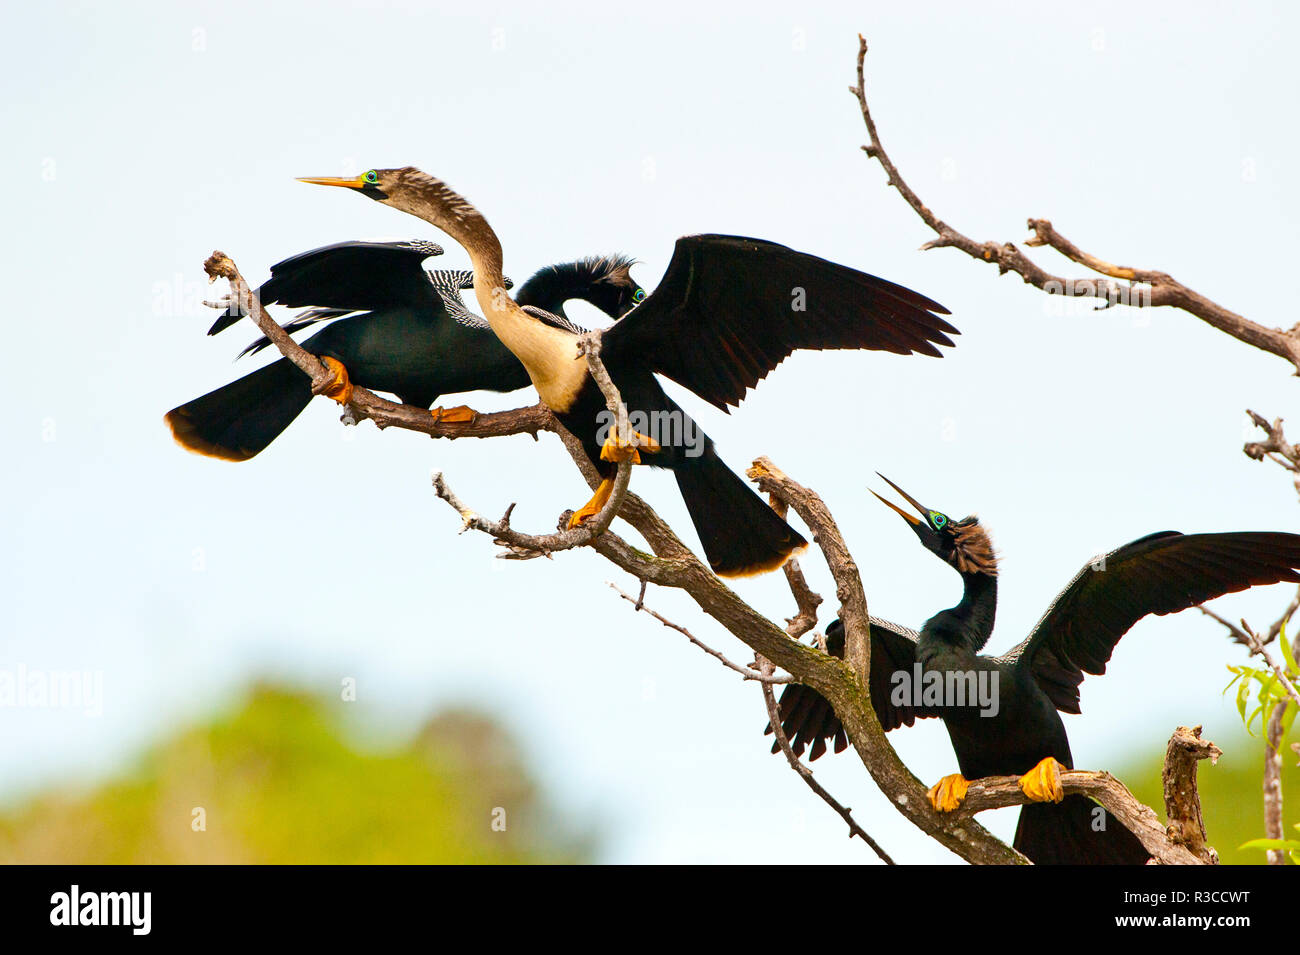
(939, 672)
(728, 310)
(414, 338)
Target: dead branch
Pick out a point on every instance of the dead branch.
(1139, 287)
(995, 792)
(1182, 799)
(748, 673)
(806, 602)
(1274, 447)
(804, 771)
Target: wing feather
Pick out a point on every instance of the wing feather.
(729, 309)
(808, 718)
(1159, 574)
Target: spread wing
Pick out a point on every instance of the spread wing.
(356, 276)
(1158, 574)
(730, 309)
(806, 715)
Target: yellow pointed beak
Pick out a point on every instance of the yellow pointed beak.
(910, 500)
(356, 182)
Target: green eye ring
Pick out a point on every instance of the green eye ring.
(938, 520)
(371, 176)
(638, 296)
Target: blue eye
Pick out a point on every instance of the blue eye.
(372, 176)
(638, 296)
(938, 520)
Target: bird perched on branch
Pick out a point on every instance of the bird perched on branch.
(1016, 729)
(728, 311)
(413, 337)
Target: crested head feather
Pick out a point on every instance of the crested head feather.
(614, 269)
(974, 552)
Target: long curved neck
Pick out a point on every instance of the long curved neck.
(548, 354)
(970, 623)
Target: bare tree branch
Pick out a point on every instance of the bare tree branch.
(1274, 447)
(1139, 288)
(1182, 799)
(805, 772)
(747, 673)
(806, 602)
(994, 792)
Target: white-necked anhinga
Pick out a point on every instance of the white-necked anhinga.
(728, 310)
(939, 672)
(414, 337)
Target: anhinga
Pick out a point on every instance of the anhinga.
(938, 672)
(414, 338)
(728, 311)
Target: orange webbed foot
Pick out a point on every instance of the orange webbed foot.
(1043, 782)
(948, 793)
(616, 449)
(592, 507)
(340, 388)
(457, 415)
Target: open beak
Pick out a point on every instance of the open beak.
(914, 521)
(356, 182)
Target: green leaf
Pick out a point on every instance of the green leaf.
(1286, 652)
(1288, 717)
(1288, 844)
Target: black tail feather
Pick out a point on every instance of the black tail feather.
(741, 534)
(1075, 831)
(240, 419)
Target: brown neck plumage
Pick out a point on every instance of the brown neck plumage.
(974, 552)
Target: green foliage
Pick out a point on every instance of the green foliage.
(278, 782)
(1269, 694)
(1292, 846)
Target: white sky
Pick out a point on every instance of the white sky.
(140, 137)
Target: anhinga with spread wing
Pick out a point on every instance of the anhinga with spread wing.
(728, 311)
(414, 337)
(1161, 573)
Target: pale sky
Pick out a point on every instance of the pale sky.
(141, 137)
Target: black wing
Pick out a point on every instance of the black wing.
(357, 276)
(730, 309)
(806, 715)
(1158, 574)
(295, 325)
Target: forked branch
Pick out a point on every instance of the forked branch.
(1119, 284)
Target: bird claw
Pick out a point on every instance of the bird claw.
(1043, 782)
(457, 415)
(948, 793)
(594, 506)
(617, 450)
(340, 385)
